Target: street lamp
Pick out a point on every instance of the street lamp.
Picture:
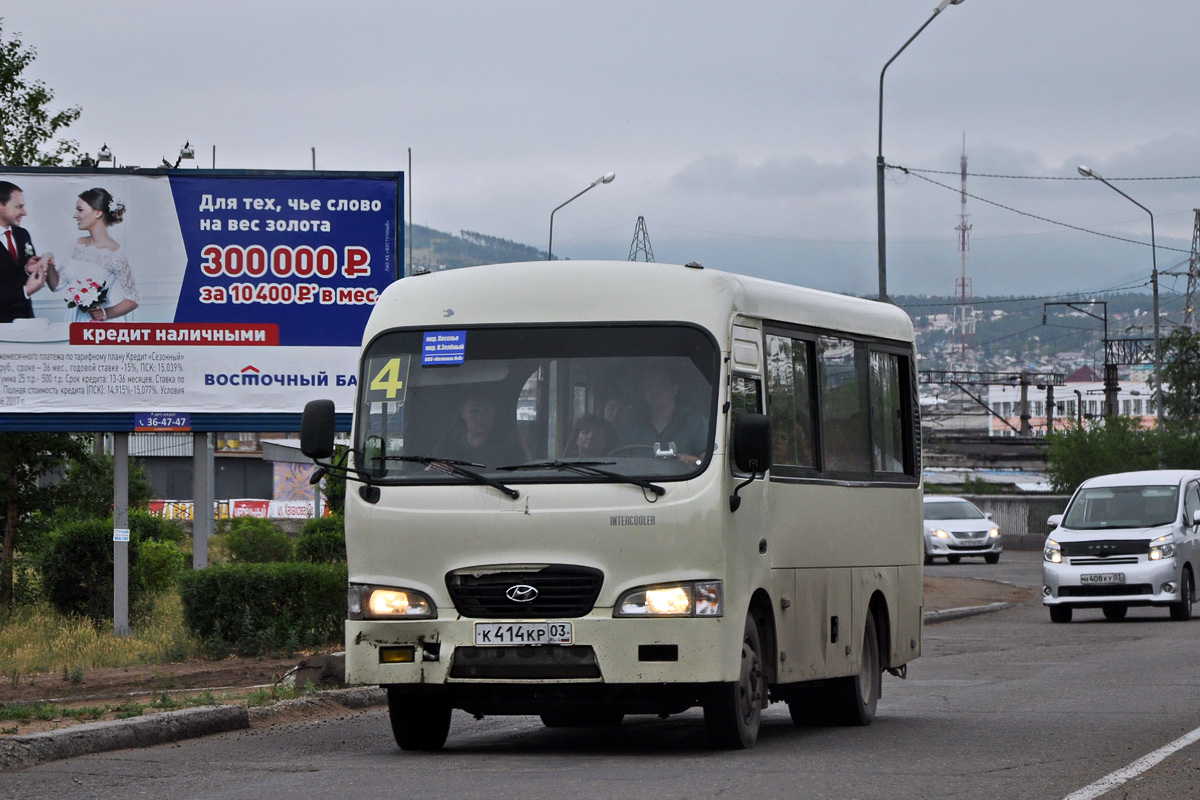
(879, 162)
(1158, 408)
(605, 178)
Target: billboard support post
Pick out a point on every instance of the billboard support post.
(121, 534)
(202, 498)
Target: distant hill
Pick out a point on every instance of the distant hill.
(1008, 330)
(434, 250)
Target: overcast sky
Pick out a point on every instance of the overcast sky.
(744, 133)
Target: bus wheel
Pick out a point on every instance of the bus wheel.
(419, 721)
(853, 698)
(733, 713)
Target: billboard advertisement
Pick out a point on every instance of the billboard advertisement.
(163, 295)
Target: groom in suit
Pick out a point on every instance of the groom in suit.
(22, 273)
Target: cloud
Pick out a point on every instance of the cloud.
(795, 176)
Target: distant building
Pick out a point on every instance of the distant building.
(1076, 403)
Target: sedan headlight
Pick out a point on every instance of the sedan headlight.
(1053, 552)
(1162, 547)
(385, 602)
(938, 533)
(993, 533)
(692, 599)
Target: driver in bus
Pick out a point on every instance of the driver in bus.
(476, 437)
(665, 423)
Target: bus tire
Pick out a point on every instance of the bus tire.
(733, 713)
(419, 721)
(855, 697)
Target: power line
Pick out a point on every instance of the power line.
(916, 174)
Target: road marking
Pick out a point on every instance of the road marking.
(1115, 779)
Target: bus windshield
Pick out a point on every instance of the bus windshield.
(537, 403)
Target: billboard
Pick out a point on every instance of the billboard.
(192, 299)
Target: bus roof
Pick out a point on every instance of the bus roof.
(617, 291)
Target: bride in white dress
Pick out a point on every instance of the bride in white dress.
(98, 256)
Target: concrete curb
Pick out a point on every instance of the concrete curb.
(945, 615)
(19, 752)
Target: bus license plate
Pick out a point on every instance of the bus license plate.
(509, 633)
(1103, 578)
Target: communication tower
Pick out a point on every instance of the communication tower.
(641, 242)
(964, 310)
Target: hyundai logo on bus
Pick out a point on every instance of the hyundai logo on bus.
(521, 593)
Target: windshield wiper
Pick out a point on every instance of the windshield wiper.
(458, 468)
(591, 468)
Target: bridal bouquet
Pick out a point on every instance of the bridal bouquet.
(86, 295)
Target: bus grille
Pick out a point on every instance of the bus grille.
(503, 591)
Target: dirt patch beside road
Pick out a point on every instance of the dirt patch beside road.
(230, 681)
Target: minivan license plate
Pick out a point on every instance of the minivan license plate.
(1103, 578)
(509, 633)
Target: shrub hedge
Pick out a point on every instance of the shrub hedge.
(264, 609)
(76, 566)
(253, 540)
(322, 540)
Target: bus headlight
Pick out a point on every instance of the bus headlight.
(692, 599)
(1161, 548)
(384, 602)
(1053, 552)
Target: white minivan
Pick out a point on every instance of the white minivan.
(1129, 539)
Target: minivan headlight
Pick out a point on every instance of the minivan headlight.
(691, 599)
(1052, 552)
(386, 602)
(938, 533)
(1162, 547)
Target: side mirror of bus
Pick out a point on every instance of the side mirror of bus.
(752, 443)
(751, 450)
(317, 429)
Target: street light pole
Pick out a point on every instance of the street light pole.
(1158, 407)
(605, 178)
(880, 164)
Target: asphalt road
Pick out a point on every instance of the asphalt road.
(1002, 705)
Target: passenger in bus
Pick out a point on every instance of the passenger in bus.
(591, 437)
(665, 420)
(476, 436)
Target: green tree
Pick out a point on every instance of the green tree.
(87, 489)
(25, 459)
(27, 124)
(1113, 444)
(1180, 375)
(333, 486)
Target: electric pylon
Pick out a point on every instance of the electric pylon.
(641, 242)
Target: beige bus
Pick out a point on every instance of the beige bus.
(585, 490)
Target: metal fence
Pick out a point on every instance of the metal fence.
(1021, 518)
